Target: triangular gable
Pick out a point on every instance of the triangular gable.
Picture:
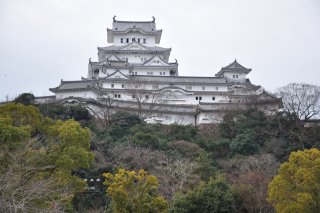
(117, 74)
(114, 58)
(134, 46)
(111, 59)
(156, 61)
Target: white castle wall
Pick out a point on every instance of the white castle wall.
(241, 77)
(80, 94)
(150, 39)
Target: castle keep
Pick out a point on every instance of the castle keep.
(134, 74)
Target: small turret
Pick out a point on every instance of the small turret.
(234, 72)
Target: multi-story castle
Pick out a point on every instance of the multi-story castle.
(134, 74)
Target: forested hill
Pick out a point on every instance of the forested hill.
(60, 159)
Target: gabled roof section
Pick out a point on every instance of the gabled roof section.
(233, 67)
(114, 58)
(144, 27)
(156, 61)
(76, 85)
(126, 47)
(111, 61)
(117, 74)
(147, 26)
(134, 46)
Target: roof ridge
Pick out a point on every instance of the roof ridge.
(152, 21)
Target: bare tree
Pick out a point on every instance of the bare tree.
(250, 178)
(22, 186)
(102, 110)
(147, 100)
(301, 99)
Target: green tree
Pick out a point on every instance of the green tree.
(135, 192)
(244, 143)
(20, 115)
(296, 187)
(38, 157)
(215, 196)
(25, 99)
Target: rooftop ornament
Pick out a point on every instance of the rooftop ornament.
(153, 19)
(114, 18)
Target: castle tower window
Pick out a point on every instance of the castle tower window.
(213, 98)
(112, 85)
(147, 96)
(217, 88)
(122, 86)
(144, 40)
(197, 98)
(121, 40)
(96, 73)
(127, 40)
(138, 40)
(203, 88)
(189, 87)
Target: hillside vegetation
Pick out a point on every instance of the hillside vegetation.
(59, 159)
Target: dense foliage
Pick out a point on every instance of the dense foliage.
(53, 161)
(134, 192)
(215, 196)
(297, 185)
(38, 157)
(25, 99)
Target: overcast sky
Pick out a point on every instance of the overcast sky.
(44, 41)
